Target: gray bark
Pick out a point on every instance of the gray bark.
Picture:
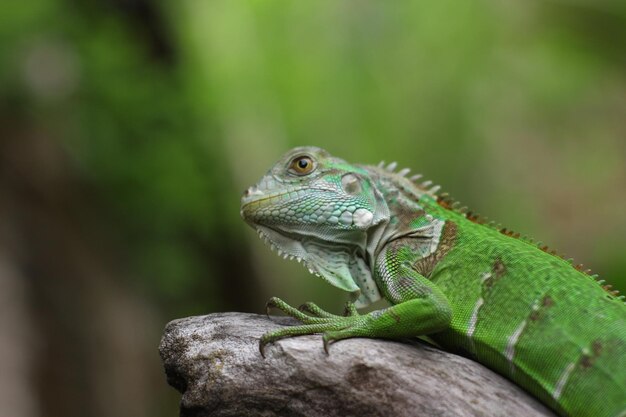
(215, 363)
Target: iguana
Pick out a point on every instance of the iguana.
(473, 288)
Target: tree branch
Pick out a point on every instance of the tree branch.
(215, 363)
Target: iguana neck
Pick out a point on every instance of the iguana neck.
(407, 217)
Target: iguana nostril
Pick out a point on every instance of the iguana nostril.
(252, 191)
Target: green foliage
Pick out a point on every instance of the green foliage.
(168, 115)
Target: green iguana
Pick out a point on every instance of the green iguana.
(487, 293)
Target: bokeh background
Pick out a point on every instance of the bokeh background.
(129, 129)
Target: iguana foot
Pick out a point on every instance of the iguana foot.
(317, 320)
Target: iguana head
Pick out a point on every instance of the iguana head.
(318, 209)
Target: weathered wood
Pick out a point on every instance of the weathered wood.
(215, 363)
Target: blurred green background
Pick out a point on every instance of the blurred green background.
(129, 129)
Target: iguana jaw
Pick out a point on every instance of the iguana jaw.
(316, 255)
(285, 247)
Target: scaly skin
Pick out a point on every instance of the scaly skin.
(474, 289)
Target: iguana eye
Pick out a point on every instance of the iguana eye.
(301, 165)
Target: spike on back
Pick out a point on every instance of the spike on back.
(427, 185)
(403, 172)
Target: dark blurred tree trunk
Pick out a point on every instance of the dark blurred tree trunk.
(17, 344)
(76, 332)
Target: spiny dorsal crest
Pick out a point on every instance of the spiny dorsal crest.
(447, 202)
(426, 186)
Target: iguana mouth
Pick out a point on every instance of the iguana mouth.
(253, 195)
(253, 199)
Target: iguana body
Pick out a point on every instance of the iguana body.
(472, 288)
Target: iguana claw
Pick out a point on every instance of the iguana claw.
(350, 309)
(262, 348)
(327, 341)
(271, 303)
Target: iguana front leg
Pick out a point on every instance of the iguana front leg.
(420, 308)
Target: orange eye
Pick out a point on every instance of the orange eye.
(302, 165)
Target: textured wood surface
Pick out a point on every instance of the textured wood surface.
(214, 362)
